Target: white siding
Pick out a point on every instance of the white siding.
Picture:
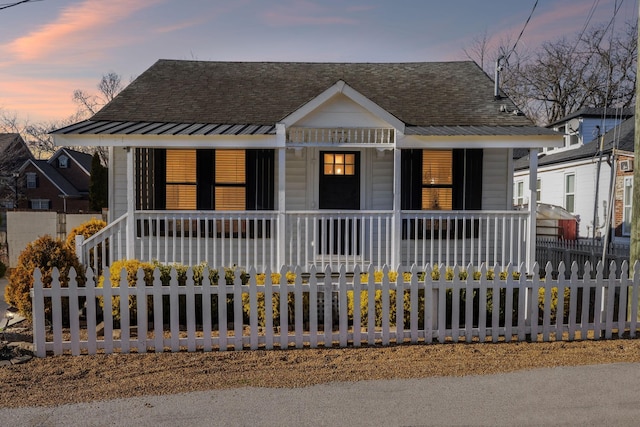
(340, 111)
(296, 180)
(381, 181)
(495, 179)
(552, 179)
(119, 191)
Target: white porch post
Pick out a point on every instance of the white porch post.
(131, 206)
(282, 226)
(396, 234)
(533, 179)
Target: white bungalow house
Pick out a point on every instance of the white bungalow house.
(270, 164)
(591, 176)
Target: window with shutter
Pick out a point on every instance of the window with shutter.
(440, 180)
(229, 180)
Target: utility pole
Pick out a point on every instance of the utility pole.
(635, 208)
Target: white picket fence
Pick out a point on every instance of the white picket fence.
(174, 317)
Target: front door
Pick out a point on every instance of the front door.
(339, 190)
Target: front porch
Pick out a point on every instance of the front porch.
(270, 239)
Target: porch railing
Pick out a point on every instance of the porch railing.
(463, 237)
(334, 238)
(215, 237)
(107, 245)
(315, 238)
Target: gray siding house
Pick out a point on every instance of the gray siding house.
(267, 164)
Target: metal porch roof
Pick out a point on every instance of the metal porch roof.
(114, 127)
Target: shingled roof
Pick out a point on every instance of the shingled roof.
(426, 94)
(622, 137)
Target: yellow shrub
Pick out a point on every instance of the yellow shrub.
(44, 253)
(131, 266)
(275, 303)
(554, 301)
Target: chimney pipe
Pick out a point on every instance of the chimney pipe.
(496, 92)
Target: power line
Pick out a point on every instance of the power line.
(8, 5)
(521, 32)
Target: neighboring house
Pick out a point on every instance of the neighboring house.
(579, 176)
(60, 183)
(270, 164)
(13, 153)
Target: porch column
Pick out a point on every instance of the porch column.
(533, 179)
(396, 234)
(131, 206)
(282, 226)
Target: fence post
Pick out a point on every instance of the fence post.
(37, 301)
(79, 252)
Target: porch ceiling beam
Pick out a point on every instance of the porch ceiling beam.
(219, 141)
(496, 141)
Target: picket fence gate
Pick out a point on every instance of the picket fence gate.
(434, 309)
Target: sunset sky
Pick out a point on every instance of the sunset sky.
(49, 48)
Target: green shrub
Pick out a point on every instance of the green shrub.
(44, 253)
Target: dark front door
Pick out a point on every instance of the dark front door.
(339, 190)
(340, 180)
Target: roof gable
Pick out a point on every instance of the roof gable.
(81, 159)
(52, 175)
(353, 104)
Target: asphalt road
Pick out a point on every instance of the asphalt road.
(600, 395)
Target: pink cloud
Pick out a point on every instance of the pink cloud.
(560, 20)
(41, 99)
(75, 26)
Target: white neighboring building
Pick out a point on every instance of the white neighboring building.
(572, 176)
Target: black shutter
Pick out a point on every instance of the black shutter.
(160, 178)
(473, 180)
(411, 179)
(260, 175)
(205, 164)
(467, 179)
(458, 191)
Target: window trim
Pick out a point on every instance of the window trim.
(626, 221)
(572, 193)
(31, 180)
(40, 202)
(63, 162)
(518, 196)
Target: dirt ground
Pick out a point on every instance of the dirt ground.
(71, 379)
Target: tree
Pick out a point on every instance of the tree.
(88, 104)
(595, 68)
(98, 184)
(38, 135)
(564, 76)
(110, 85)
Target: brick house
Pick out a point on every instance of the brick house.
(60, 183)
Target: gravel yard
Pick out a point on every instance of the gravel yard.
(72, 379)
